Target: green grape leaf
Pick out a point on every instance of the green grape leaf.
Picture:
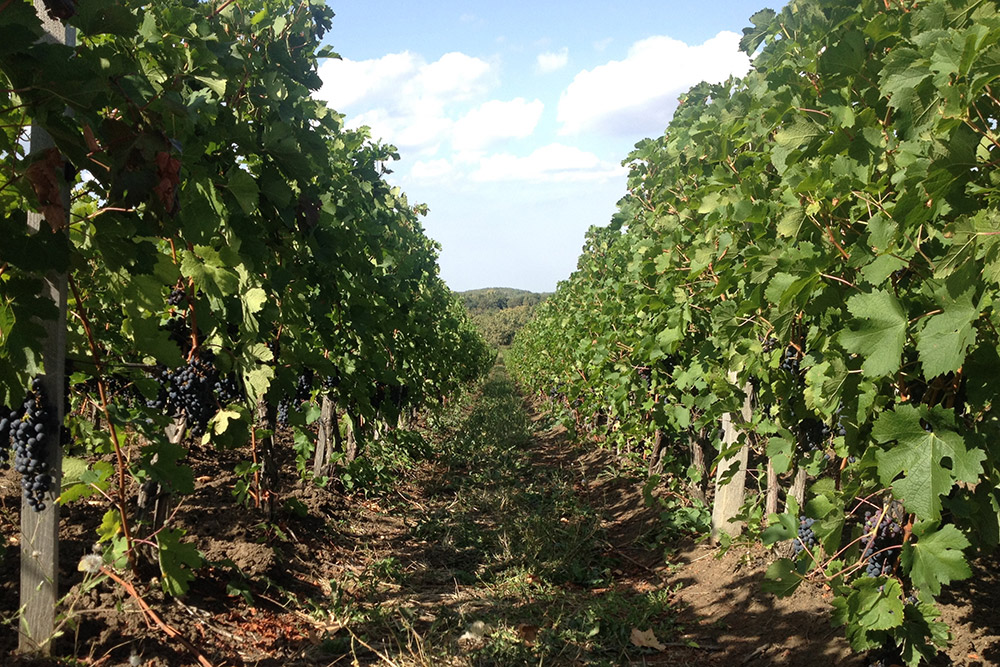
(780, 451)
(254, 299)
(79, 481)
(936, 557)
(244, 188)
(178, 560)
(782, 527)
(110, 526)
(880, 335)
(781, 578)
(161, 463)
(946, 337)
(920, 456)
(753, 36)
(878, 603)
(210, 270)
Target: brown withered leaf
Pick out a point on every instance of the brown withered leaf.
(44, 177)
(646, 639)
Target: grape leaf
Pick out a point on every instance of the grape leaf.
(177, 561)
(936, 557)
(920, 456)
(781, 578)
(880, 337)
(945, 339)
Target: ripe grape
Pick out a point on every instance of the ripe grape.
(194, 390)
(7, 419)
(29, 429)
(806, 537)
(790, 361)
(177, 296)
(303, 390)
(882, 543)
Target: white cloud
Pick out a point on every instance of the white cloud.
(495, 120)
(554, 162)
(430, 170)
(402, 97)
(550, 61)
(638, 95)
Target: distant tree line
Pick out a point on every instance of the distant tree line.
(499, 312)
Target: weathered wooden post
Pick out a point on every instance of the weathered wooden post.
(729, 494)
(40, 530)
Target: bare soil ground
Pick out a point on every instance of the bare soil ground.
(514, 547)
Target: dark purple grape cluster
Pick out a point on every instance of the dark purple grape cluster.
(882, 542)
(227, 389)
(303, 391)
(806, 536)
(28, 429)
(331, 381)
(7, 419)
(790, 361)
(812, 434)
(194, 390)
(886, 656)
(769, 344)
(179, 332)
(177, 296)
(838, 428)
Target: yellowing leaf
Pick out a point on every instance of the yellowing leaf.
(646, 639)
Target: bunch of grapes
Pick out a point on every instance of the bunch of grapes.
(177, 296)
(7, 419)
(886, 656)
(812, 434)
(769, 344)
(193, 390)
(882, 543)
(227, 389)
(28, 429)
(331, 381)
(303, 390)
(790, 361)
(807, 538)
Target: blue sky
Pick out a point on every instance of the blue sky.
(512, 119)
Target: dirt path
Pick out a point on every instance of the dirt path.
(510, 546)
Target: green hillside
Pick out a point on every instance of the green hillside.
(499, 312)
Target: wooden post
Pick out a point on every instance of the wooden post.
(798, 490)
(351, 448)
(771, 497)
(655, 464)
(698, 463)
(729, 495)
(40, 530)
(324, 437)
(269, 477)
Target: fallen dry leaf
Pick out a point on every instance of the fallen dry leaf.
(646, 639)
(528, 633)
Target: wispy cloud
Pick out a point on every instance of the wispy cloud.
(638, 95)
(550, 61)
(494, 121)
(404, 98)
(554, 162)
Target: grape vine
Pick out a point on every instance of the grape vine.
(825, 231)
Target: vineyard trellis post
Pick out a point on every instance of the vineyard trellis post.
(730, 487)
(40, 530)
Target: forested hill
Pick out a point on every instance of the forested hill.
(499, 312)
